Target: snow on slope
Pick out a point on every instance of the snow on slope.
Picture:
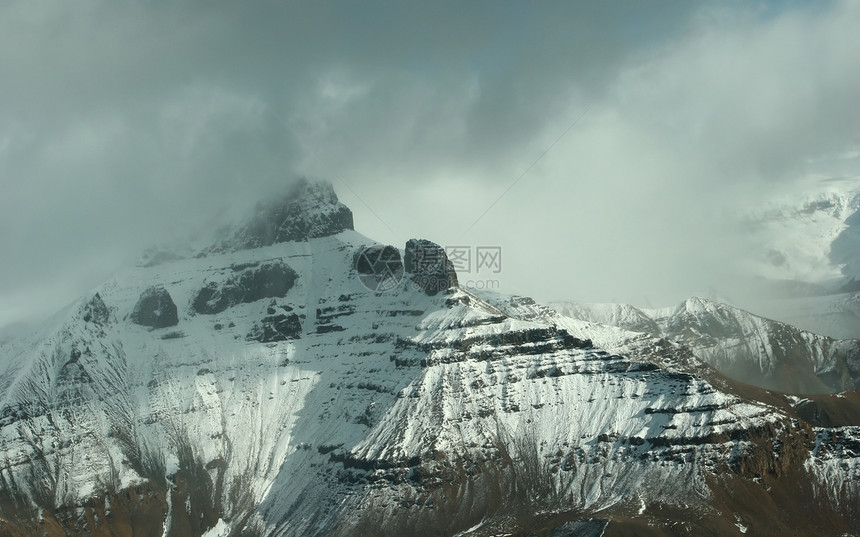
(306, 406)
(742, 345)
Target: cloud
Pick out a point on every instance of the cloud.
(122, 122)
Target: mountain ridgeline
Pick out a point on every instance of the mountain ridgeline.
(748, 347)
(293, 377)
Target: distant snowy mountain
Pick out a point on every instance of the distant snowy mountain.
(744, 346)
(293, 377)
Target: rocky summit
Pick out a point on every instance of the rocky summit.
(267, 384)
(429, 267)
(307, 211)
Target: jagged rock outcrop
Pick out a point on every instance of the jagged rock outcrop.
(95, 311)
(277, 327)
(308, 210)
(305, 210)
(429, 266)
(155, 309)
(268, 280)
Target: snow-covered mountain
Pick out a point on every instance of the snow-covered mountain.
(294, 377)
(744, 346)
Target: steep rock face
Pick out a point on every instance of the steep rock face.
(429, 267)
(252, 283)
(308, 210)
(304, 210)
(277, 327)
(155, 308)
(95, 311)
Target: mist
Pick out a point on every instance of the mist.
(608, 149)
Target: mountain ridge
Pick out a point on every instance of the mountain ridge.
(295, 397)
(761, 351)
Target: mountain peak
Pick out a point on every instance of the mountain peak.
(305, 211)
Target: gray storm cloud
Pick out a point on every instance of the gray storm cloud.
(120, 123)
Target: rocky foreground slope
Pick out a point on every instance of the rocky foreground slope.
(296, 378)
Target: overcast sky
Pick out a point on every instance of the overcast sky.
(120, 121)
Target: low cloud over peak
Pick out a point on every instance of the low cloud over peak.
(120, 122)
